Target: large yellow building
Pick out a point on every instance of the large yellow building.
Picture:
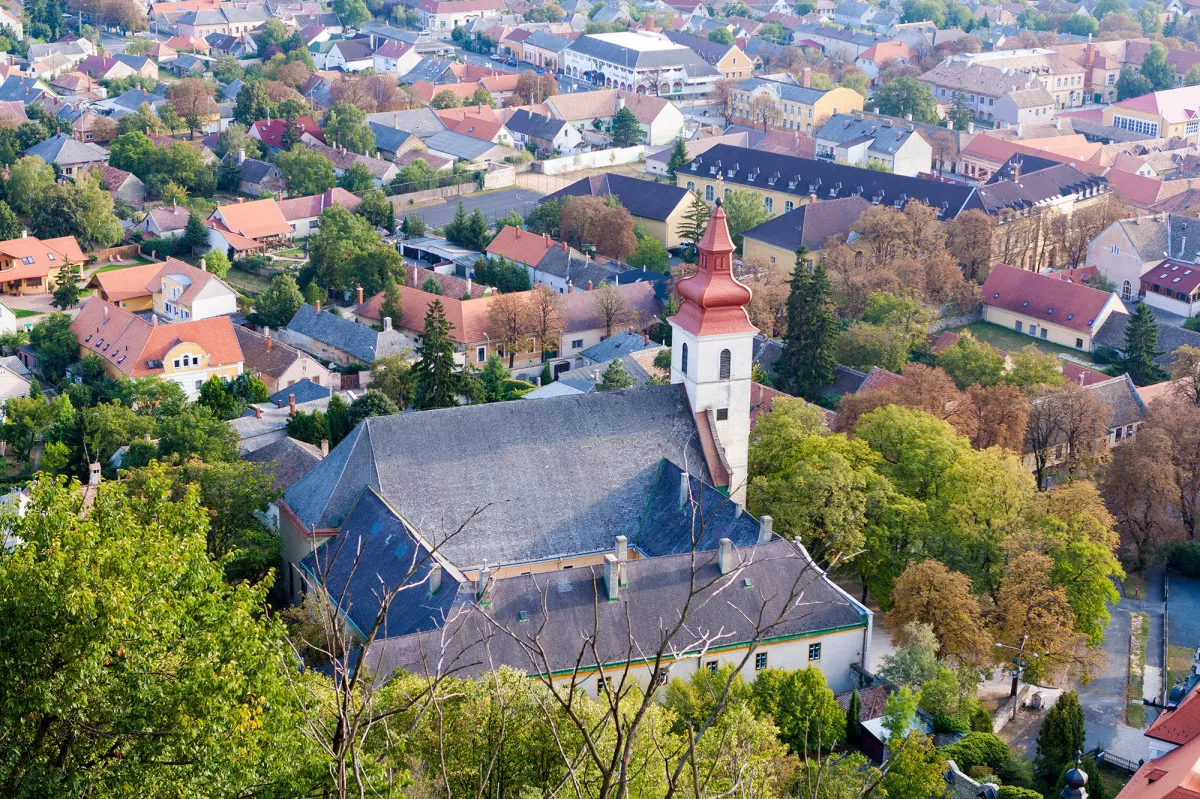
(786, 106)
(187, 353)
(1164, 114)
(1046, 307)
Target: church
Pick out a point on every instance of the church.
(518, 531)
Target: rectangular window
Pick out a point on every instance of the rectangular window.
(722, 414)
(1078, 343)
(712, 666)
(577, 344)
(1043, 332)
(760, 661)
(480, 354)
(199, 384)
(814, 651)
(1017, 326)
(600, 686)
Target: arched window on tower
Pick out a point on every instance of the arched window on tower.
(683, 359)
(726, 356)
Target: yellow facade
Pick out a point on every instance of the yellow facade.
(1034, 328)
(759, 252)
(788, 115)
(1152, 123)
(169, 292)
(710, 188)
(198, 364)
(137, 304)
(735, 65)
(667, 231)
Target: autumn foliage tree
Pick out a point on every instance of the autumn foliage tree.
(599, 222)
(930, 593)
(192, 99)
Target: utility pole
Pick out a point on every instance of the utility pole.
(1018, 667)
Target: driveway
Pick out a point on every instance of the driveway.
(1103, 698)
(494, 205)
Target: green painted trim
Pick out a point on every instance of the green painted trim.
(862, 625)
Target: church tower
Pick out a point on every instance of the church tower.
(712, 351)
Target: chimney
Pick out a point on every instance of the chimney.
(517, 232)
(469, 288)
(622, 549)
(1016, 170)
(570, 288)
(153, 321)
(949, 124)
(589, 285)
(683, 489)
(435, 578)
(806, 77)
(484, 575)
(93, 474)
(725, 555)
(908, 117)
(358, 293)
(269, 339)
(258, 413)
(318, 306)
(291, 404)
(1082, 377)
(324, 447)
(611, 577)
(106, 314)
(203, 264)
(646, 340)
(241, 156)
(970, 127)
(279, 403)
(620, 102)
(765, 528)
(387, 324)
(241, 200)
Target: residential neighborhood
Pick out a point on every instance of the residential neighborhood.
(600, 398)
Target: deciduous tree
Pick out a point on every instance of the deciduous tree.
(929, 593)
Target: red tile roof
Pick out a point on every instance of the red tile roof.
(1081, 375)
(44, 255)
(312, 206)
(1044, 297)
(131, 343)
(762, 399)
(271, 132)
(1174, 276)
(1175, 775)
(521, 245)
(880, 378)
(1180, 725)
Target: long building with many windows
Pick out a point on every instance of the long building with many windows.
(639, 61)
(1165, 114)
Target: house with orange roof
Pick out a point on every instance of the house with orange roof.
(30, 266)
(1173, 775)
(984, 154)
(302, 212)
(874, 57)
(660, 120)
(245, 227)
(187, 353)
(174, 289)
(270, 131)
(1168, 113)
(188, 44)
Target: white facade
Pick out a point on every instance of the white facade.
(614, 73)
(8, 320)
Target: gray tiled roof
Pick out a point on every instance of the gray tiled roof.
(459, 145)
(538, 126)
(788, 92)
(617, 345)
(1118, 394)
(303, 390)
(593, 457)
(420, 121)
(548, 41)
(614, 53)
(765, 577)
(25, 90)
(360, 341)
(811, 225)
(640, 197)
(63, 149)
(1170, 337)
(844, 128)
(292, 460)
(388, 138)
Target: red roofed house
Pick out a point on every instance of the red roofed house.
(187, 353)
(302, 212)
(441, 17)
(1174, 775)
(173, 289)
(1175, 728)
(30, 266)
(270, 131)
(247, 226)
(1046, 307)
(1172, 286)
(874, 57)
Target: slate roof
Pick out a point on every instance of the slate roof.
(134, 98)
(63, 149)
(24, 90)
(292, 460)
(388, 138)
(828, 180)
(253, 170)
(789, 92)
(1119, 394)
(459, 145)
(811, 225)
(595, 457)
(548, 41)
(845, 128)
(538, 126)
(764, 578)
(303, 390)
(617, 345)
(1170, 337)
(1040, 180)
(576, 268)
(359, 341)
(640, 197)
(1044, 297)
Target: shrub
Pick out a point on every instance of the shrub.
(981, 720)
(1017, 771)
(1185, 558)
(978, 749)
(949, 724)
(1015, 792)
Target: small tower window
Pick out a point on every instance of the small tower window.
(726, 356)
(683, 359)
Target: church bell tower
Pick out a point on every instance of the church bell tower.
(712, 352)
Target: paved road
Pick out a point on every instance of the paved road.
(493, 205)
(1103, 698)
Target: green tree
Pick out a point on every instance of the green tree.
(356, 179)
(217, 397)
(216, 262)
(1132, 84)
(546, 218)
(721, 36)
(1032, 367)
(305, 172)
(25, 419)
(744, 210)
(1141, 346)
(110, 698)
(1156, 69)
(392, 375)
(436, 382)
(969, 361)
(347, 126)
(195, 235)
(651, 255)
(1061, 734)
(337, 416)
(1080, 25)
(1150, 18)
(341, 239)
(483, 97)
(547, 376)
(29, 178)
(251, 103)
(377, 209)
(351, 13)
(10, 225)
(66, 286)
(197, 431)
(55, 344)
(132, 152)
(615, 377)
(445, 99)
(678, 160)
(372, 403)
(915, 663)
(905, 95)
(1192, 79)
(802, 706)
(626, 130)
(807, 362)
(431, 285)
(413, 226)
(853, 725)
(694, 223)
(278, 304)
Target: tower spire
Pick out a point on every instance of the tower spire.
(713, 301)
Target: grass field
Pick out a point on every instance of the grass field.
(1134, 585)
(1135, 711)
(1113, 779)
(1011, 341)
(1179, 662)
(244, 280)
(22, 313)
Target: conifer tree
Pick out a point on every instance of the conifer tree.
(1141, 346)
(807, 362)
(678, 159)
(615, 377)
(852, 714)
(693, 225)
(436, 384)
(337, 417)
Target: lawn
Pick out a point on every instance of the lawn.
(139, 261)
(22, 313)
(244, 280)
(1139, 628)
(1113, 779)
(1134, 585)
(1179, 663)
(1011, 341)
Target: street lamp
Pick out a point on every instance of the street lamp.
(1018, 666)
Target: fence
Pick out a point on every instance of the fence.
(413, 197)
(125, 252)
(1120, 762)
(600, 158)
